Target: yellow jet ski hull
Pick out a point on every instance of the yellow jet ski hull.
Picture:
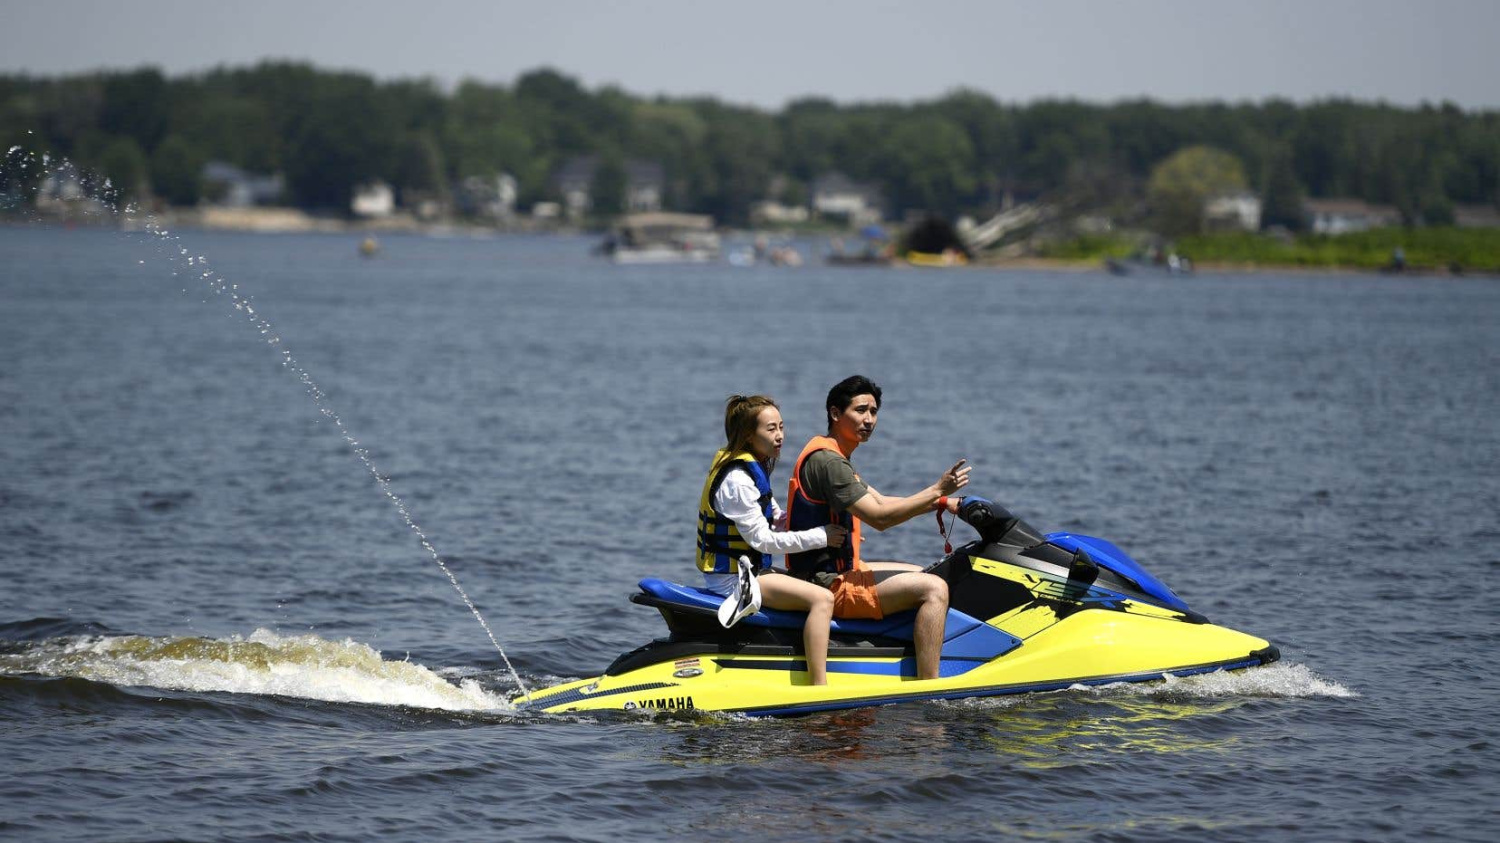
(1058, 633)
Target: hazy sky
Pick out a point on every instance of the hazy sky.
(765, 53)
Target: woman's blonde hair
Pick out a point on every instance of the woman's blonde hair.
(740, 414)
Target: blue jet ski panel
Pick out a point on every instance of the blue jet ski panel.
(964, 637)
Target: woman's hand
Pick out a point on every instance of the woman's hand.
(836, 534)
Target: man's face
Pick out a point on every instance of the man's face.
(857, 421)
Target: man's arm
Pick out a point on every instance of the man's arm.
(882, 512)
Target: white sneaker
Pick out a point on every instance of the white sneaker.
(745, 601)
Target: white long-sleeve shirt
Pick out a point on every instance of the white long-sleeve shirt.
(738, 500)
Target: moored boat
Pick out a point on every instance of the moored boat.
(660, 237)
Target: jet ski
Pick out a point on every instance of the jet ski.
(1027, 612)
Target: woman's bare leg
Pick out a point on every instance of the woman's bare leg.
(779, 591)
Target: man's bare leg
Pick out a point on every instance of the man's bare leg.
(929, 594)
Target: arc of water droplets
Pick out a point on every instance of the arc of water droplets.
(242, 304)
(164, 239)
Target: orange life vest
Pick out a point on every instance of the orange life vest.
(806, 512)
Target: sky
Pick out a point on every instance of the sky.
(770, 52)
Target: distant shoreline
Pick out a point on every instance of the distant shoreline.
(293, 221)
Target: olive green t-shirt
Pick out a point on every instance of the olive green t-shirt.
(828, 476)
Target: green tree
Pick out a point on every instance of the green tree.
(1434, 206)
(176, 170)
(68, 109)
(1281, 194)
(136, 105)
(1182, 184)
(124, 164)
(1053, 134)
(344, 139)
(326, 130)
(931, 164)
(742, 148)
(607, 190)
(226, 127)
(420, 172)
(793, 194)
(813, 135)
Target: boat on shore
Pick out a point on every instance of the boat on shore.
(660, 237)
(876, 249)
(945, 258)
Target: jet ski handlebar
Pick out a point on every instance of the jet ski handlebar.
(995, 524)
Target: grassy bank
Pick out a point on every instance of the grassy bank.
(1426, 249)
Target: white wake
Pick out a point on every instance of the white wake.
(303, 666)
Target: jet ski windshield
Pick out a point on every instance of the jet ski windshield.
(1005, 536)
(996, 525)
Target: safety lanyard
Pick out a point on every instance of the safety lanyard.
(944, 529)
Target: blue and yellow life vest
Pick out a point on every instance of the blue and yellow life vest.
(720, 544)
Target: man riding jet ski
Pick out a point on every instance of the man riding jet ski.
(1028, 612)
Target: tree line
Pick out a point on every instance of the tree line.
(965, 152)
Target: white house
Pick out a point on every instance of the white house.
(645, 182)
(373, 201)
(1342, 216)
(1232, 212)
(236, 188)
(65, 192)
(836, 195)
(771, 212)
(491, 197)
(645, 185)
(61, 185)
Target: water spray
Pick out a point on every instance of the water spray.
(171, 247)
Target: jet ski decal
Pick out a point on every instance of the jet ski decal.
(661, 704)
(579, 694)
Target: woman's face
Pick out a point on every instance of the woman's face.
(769, 434)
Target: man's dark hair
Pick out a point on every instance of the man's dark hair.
(843, 393)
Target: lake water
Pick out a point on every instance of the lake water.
(215, 625)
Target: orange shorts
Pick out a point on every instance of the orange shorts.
(854, 595)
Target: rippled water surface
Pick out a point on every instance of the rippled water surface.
(214, 624)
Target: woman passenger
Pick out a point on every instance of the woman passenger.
(738, 516)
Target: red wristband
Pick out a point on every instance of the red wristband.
(942, 502)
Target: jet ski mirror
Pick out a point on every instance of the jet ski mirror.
(996, 524)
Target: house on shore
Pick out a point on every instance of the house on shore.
(1239, 211)
(1345, 216)
(67, 192)
(836, 196)
(488, 197)
(228, 186)
(773, 212)
(374, 200)
(1476, 216)
(645, 185)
